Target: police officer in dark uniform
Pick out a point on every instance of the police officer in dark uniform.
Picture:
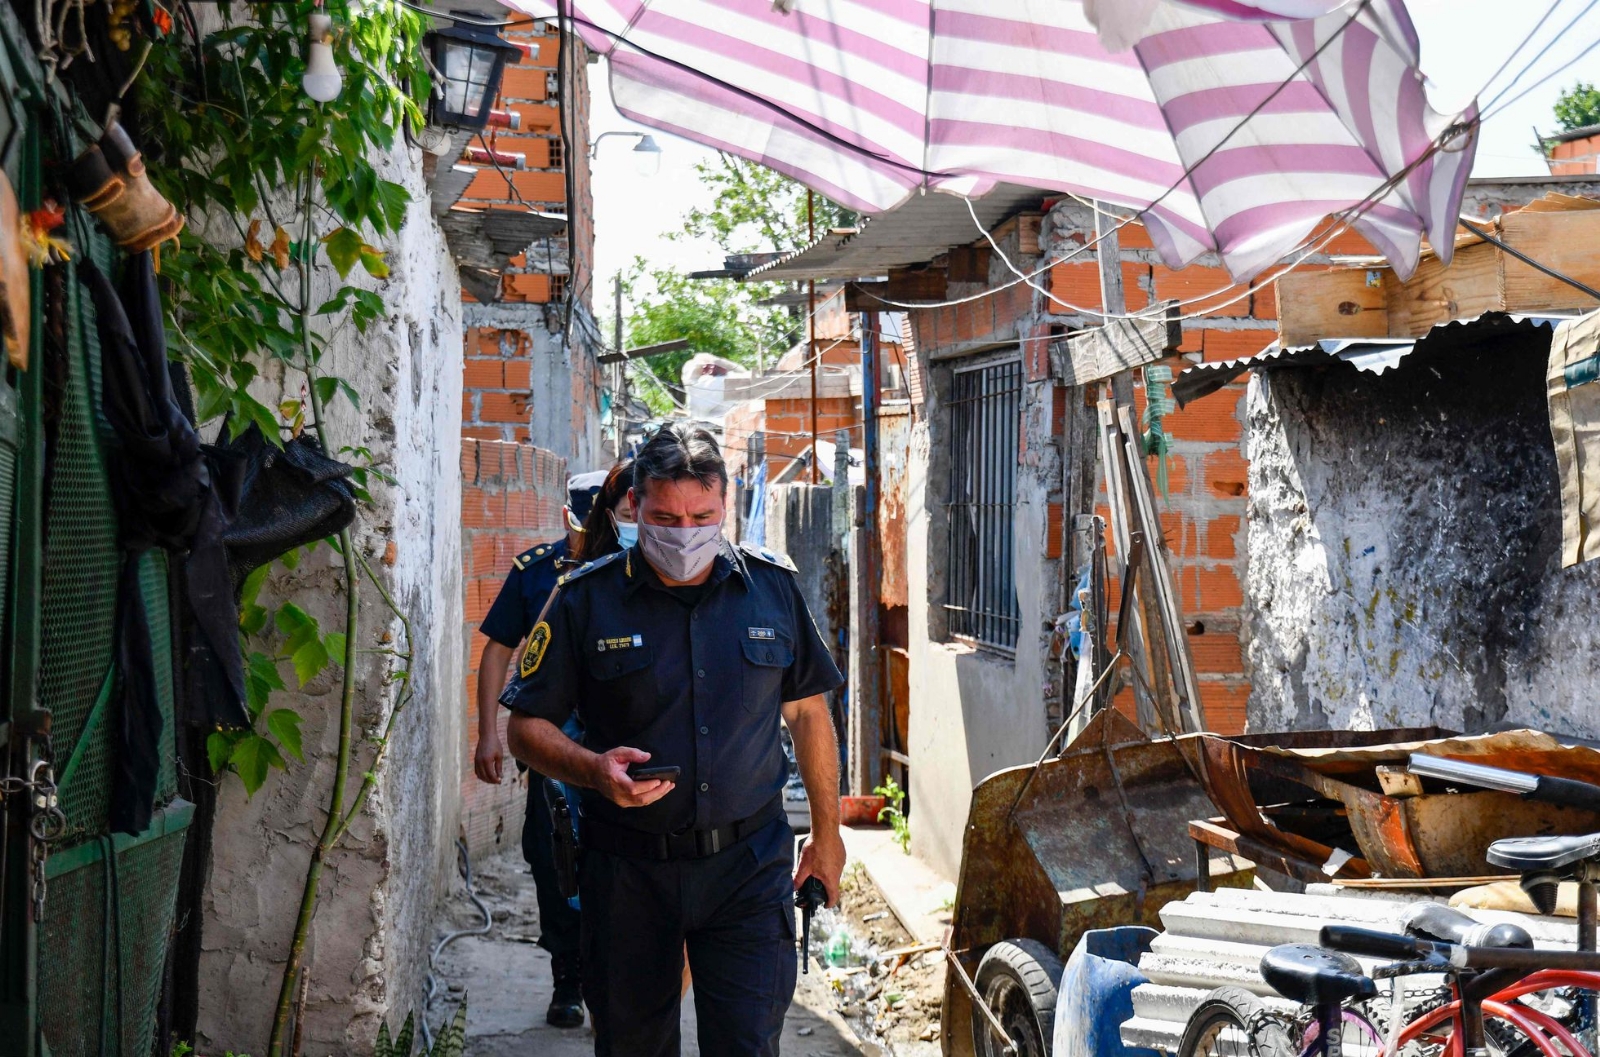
(515, 610)
(684, 652)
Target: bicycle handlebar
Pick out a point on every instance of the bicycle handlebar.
(1374, 944)
(1443, 956)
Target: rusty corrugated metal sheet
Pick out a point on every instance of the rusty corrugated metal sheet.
(894, 452)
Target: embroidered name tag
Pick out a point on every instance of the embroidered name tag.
(763, 633)
(624, 642)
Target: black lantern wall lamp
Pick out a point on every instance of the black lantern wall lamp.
(468, 57)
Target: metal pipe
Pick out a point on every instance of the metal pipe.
(1472, 774)
(811, 327)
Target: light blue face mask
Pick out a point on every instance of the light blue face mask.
(627, 532)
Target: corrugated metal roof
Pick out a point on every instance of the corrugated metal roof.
(914, 233)
(1373, 355)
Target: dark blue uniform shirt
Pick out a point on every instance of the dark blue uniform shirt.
(697, 682)
(533, 576)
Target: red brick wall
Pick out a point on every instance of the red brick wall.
(1203, 513)
(1575, 157)
(511, 497)
(525, 90)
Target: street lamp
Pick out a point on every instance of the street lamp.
(646, 153)
(470, 58)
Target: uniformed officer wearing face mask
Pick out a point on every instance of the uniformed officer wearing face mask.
(683, 651)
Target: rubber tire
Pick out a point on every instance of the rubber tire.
(1240, 1007)
(1024, 966)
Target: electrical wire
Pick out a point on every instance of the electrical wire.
(1518, 50)
(1560, 34)
(1558, 70)
(430, 981)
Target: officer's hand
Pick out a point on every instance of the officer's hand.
(488, 760)
(610, 778)
(823, 858)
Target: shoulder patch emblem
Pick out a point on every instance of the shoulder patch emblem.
(538, 642)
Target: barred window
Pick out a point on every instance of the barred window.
(981, 593)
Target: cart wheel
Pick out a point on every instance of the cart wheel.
(1018, 980)
(1231, 1022)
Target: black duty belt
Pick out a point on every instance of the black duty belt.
(688, 844)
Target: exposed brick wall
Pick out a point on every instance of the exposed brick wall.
(1575, 157)
(511, 497)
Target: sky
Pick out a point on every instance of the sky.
(1463, 41)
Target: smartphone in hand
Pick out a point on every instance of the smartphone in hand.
(654, 774)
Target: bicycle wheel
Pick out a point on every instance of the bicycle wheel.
(1231, 1022)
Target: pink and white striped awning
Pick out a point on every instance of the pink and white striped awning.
(1231, 132)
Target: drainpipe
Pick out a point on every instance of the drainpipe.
(869, 697)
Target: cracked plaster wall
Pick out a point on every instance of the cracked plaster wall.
(1403, 550)
(368, 946)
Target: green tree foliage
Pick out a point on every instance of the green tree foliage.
(1578, 106)
(753, 209)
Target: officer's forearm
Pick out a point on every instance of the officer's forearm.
(541, 745)
(816, 749)
(492, 665)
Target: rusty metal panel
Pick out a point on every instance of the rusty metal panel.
(894, 453)
(1433, 835)
(1070, 856)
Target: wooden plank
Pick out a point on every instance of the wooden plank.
(1344, 303)
(968, 264)
(1185, 684)
(1435, 294)
(917, 284)
(1568, 242)
(864, 297)
(1120, 345)
(1026, 228)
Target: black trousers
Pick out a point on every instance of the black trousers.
(558, 922)
(734, 911)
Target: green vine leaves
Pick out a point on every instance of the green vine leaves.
(232, 140)
(277, 186)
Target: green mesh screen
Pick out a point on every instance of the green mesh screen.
(100, 962)
(78, 596)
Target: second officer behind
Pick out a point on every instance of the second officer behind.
(684, 652)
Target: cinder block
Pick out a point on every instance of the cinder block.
(483, 374)
(1215, 418)
(1232, 344)
(1227, 474)
(1213, 285)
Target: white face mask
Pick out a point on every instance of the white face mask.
(680, 553)
(627, 532)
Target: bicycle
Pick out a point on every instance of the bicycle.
(1491, 968)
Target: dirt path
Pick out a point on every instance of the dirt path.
(507, 980)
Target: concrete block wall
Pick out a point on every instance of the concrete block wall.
(1575, 157)
(511, 497)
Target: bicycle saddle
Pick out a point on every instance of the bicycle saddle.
(1435, 921)
(1313, 976)
(1543, 853)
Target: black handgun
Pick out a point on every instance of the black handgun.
(812, 894)
(564, 838)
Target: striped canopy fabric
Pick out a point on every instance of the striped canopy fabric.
(1235, 127)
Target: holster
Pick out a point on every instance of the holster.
(563, 836)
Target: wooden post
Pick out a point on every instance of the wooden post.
(866, 654)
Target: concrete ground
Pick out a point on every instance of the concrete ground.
(507, 981)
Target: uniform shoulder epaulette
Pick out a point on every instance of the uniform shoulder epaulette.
(589, 567)
(531, 555)
(770, 557)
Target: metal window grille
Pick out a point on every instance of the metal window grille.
(981, 597)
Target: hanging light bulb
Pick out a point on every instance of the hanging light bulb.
(322, 80)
